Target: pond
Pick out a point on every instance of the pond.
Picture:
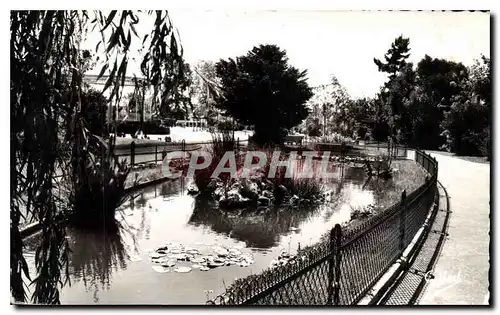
(117, 268)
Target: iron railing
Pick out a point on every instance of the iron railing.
(145, 153)
(342, 269)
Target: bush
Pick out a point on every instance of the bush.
(221, 143)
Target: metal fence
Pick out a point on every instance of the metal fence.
(146, 153)
(341, 269)
(356, 148)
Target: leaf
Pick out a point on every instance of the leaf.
(113, 41)
(109, 19)
(97, 46)
(104, 68)
(110, 79)
(133, 29)
(144, 40)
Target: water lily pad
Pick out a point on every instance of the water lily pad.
(156, 255)
(213, 264)
(183, 269)
(160, 269)
(168, 263)
(197, 266)
(219, 260)
(198, 260)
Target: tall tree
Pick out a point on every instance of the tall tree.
(391, 94)
(49, 133)
(467, 122)
(438, 82)
(263, 90)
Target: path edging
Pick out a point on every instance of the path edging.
(34, 227)
(388, 279)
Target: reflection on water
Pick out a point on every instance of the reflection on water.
(257, 228)
(115, 268)
(94, 257)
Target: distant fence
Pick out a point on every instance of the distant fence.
(145, 153)
(355, 148)
(343, 268)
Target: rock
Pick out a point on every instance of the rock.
(267, 194)
(204, 269)
(294, 200)
(234, 252)
(183, 269)
(263, 200)
(214, 184)
(284, 255)
(273, 263)
(250, 190)
(218, 193)
(222, 252)
(192, 190)
(197, 266)
(280, 192)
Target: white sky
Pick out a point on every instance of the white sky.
(342, 43)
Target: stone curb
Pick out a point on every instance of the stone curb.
(388, 279)
(34, 227)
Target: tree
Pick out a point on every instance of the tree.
(48, 133)
(94, 108)
(263, 90)
(437, 82)
(203, 100)
(177, 104)
(395, 89)
(467, 122)
(395, 58)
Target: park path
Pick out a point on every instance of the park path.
(461, 271)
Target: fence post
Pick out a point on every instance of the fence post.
(238, 144)
(156, 154)
(132, 153)
(183, 145)
(402, 225)
(334, 266)
(331, 268)
(338, 239)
